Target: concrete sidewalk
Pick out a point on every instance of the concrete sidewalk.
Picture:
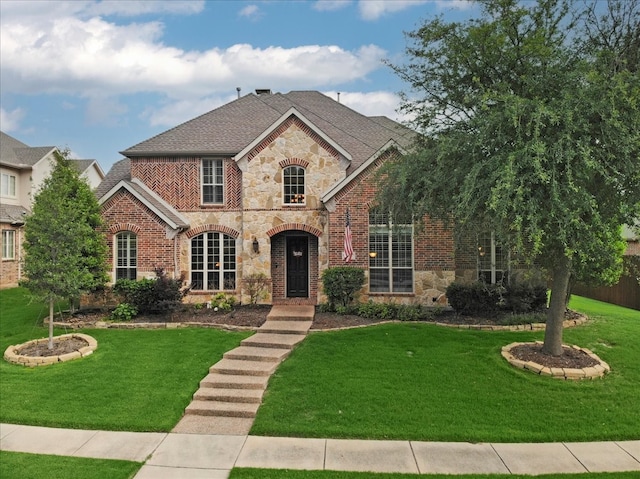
(194, 456)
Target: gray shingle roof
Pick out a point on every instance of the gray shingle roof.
(231, 127)
(120, 170)
(12, 213)
(19, 155)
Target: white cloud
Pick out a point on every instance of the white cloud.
(177, 112)
(74, 56)
(10, 120)
(377, 103)
(330, 5)
(374, 9)
(252, 12)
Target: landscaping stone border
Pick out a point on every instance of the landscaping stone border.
(597, 371)
(12, 354)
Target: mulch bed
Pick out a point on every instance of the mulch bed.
(255, 316)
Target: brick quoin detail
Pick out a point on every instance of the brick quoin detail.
(206, 228)
(294, 226)
(292, 120)
(294, 161)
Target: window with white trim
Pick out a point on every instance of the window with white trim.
(390, 255)
(8, 185)
(8, 244)
(493, 259)
(212, 181)
(293, 180)
(126, 255)
(213, 262)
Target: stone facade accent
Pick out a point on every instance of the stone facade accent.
(254, 211)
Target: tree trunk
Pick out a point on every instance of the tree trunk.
(557, 307)
(50, 343)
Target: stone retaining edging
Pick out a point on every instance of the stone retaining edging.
(12, 354)
(597, 371)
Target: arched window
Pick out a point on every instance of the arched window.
(213, 262)
(126, 255)
(294, 185)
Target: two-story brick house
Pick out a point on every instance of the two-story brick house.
(264, 185)
(23, 168)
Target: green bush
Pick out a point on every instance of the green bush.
(525, 298)
(223, 302)
(341, 283)
(124, 312)
(151, 295)
(489, 300)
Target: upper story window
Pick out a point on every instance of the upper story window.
(493, 259)
(8, 185)
(8, 244)
(212, 181)
(390, 255)
(294, 193)
(126, 255)
(213, 262)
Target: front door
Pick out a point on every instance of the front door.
(297, 267)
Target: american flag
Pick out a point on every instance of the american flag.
(348, 254)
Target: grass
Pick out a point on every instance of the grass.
(36, 466)
(424, 382)
(137, 380)
(241, 473)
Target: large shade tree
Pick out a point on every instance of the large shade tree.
(529, 126)
(65, 252)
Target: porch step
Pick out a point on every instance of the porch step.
(219, 408)
(249, 353)
(253, 396)
(243, 368)
(285, 327)
(230, 381)
(291, 313)
(276, 341)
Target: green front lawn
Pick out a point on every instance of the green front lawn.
(137, 380)
(430, 383)
(37, 466)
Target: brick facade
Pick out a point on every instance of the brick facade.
(254, 211)
(10, 268)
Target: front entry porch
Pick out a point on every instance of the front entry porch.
(294, 268)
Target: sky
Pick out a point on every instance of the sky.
(98, 77)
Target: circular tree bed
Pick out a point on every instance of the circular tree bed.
(65, 348)
(574, 363)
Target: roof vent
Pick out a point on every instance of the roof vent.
(264, 91)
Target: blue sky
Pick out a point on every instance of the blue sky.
(101, 76)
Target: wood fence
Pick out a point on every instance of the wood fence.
(626, 293)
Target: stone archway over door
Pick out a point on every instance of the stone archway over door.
(297, 267)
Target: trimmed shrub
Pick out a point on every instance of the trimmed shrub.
(151, 295)
(490, 300)
(341, 283)
(474, 298)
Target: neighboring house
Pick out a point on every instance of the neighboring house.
(22, 170)
(266, 185)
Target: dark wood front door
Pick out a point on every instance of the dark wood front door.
(297, 267)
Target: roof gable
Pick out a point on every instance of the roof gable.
(234, 127)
